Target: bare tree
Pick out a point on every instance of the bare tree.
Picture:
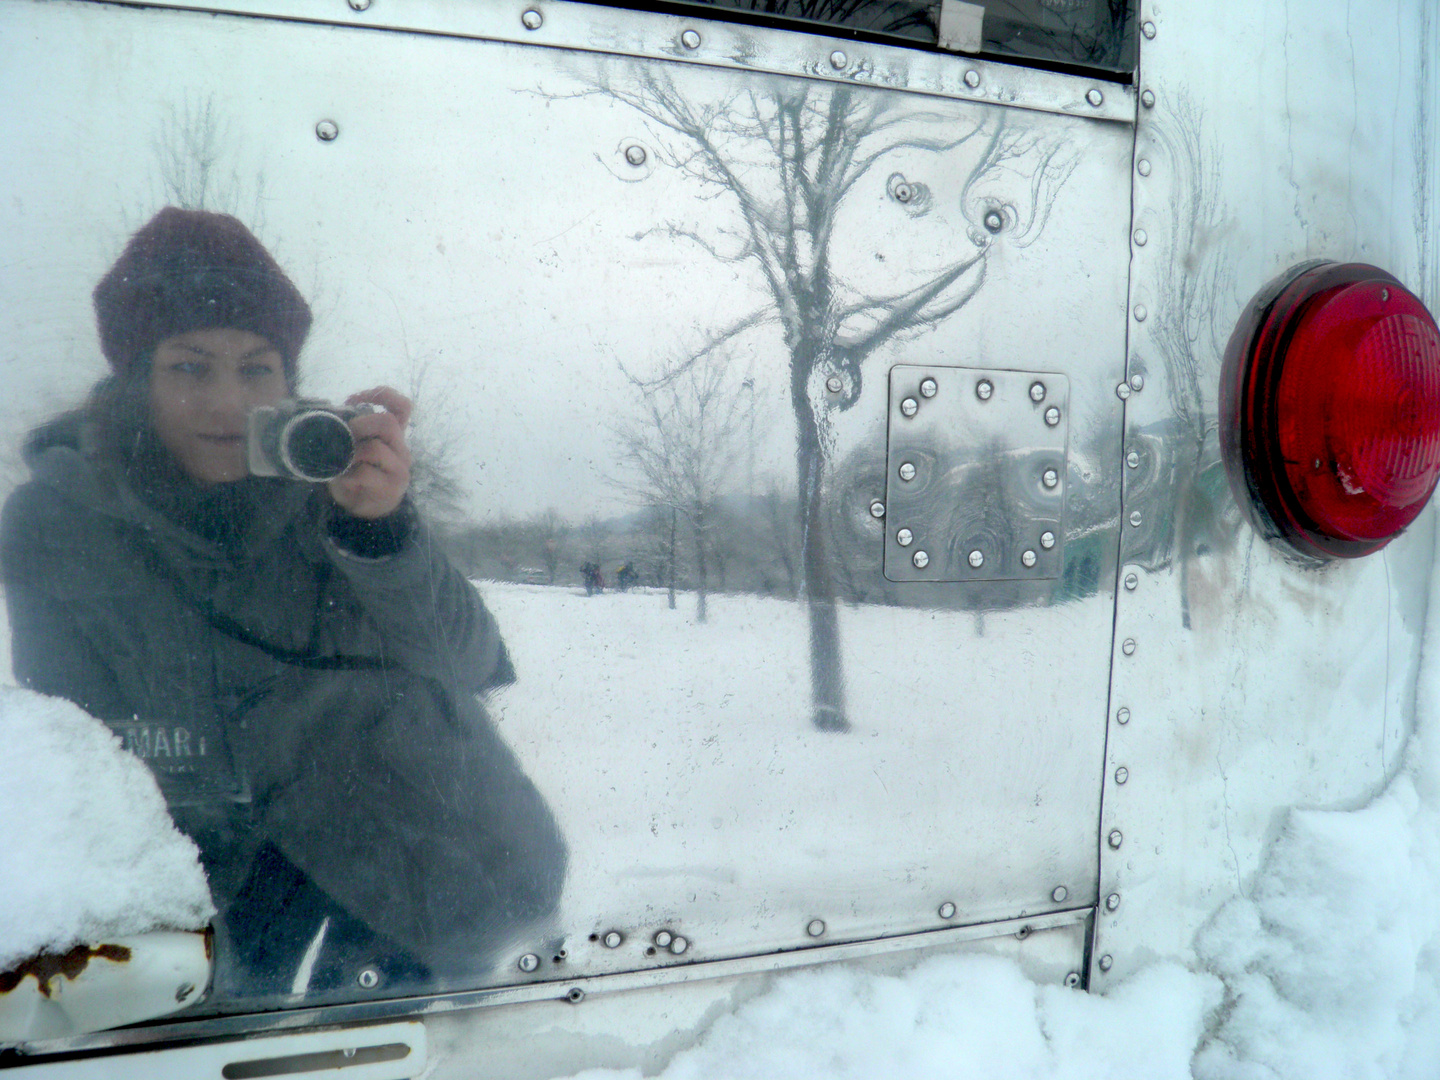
(681, 446)
(192, 146)
(552, 531)
(785, 155)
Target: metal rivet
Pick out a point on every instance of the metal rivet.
(1123, 391)
(575, 995)
(920, 559)
(613, 939)
(1095, 97)
(529, 962)
(1115, 839)
(1141, 237)
(834, 384)
(877, 509)
(1047, 539)
(1135, 519)
(327, 130)
(1128, 646)
(838, 60)
(1037, 392)
(1133, 459)
(1112, 901)
(635, 154)
(909, 407)
(663, 938)
(1148, 29)
(1106, 962)
(1122, 774)
(1059, 894)
(532, 19)
(904, 538)
(184, 990)
(976, 558)
(1384, 295)
(690, 39)
(1137, 382)
(679, 944)
(1027, 558)
(1072, 980)
(359, 5)
(816, 927)
(368, 978)
(947, 910)
(1052, 416)
(907, 471)
(1050, 478)
(1131, 581)
(972, 79)
(994, 221)
(929, 388)
(1143, 166)
(1122, 716)
(984, 389)
(1140, 313)
(1147, 98)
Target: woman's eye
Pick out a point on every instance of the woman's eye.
(190, 367)
(257, 372)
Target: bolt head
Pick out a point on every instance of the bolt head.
(613, 939)
(921, 560)
(1128, 647)
(907, 471)
(1148, 29)
(1047, 539)
(635, 154)
(1115, 839)
(972, 79)
(1137, 382)
(1123, 391)
(1122, 774)
(1027, 558)
(1122, 716)
(929, 388)
(816, 927)
(1141, 237)
(1059, 894)
(368, 978)
(327, 130)
(1143, 166)
(1147, 98)
(1135, 518)
(1050, 478)
(1106, 963)
(1131, 581)
(838, 60)
(976, 559)
(1133, 459)
(984, 389)
(678, 944)
(690, 39)
(909, 407)
(1052, 416)
(532, 19)
(1037, 392)
(663, 938)
(877, 509)
(947, 910)
(529, 962)
(834, 384)
(1095, 98)
(1112, 901)
(1141, 314)
(994, 221)
(904, 537)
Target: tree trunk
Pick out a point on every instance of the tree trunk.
(702, 566)
(671, 573)
(827, 676)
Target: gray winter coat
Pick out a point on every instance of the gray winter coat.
(286, 690)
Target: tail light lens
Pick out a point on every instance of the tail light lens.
(1330, 409)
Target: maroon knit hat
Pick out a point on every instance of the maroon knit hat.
(192, 270)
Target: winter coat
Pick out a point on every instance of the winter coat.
(287, 691)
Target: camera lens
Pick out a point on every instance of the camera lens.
(317, 446)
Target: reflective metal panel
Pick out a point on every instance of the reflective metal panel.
(620, 291)
(975, 474)
(1244, 683)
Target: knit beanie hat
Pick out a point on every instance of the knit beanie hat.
(193, 270)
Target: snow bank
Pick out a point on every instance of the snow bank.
(89, 850)
(952, 1018)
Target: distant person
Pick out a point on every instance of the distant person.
(298, 662)
(626, 577)
(594, 581)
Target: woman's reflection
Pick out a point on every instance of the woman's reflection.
(297, 661)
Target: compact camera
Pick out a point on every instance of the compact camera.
(302, 439)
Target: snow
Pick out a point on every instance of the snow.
(89, 851)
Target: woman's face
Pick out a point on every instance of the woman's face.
(203, 384)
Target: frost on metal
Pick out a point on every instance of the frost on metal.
(90, 852)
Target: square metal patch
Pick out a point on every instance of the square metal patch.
(975, 474)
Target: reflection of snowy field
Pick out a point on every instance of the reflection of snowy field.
(689, 781)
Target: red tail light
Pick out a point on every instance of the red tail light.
(1330, 409)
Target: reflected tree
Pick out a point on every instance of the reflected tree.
(782, 157)
(681, 447)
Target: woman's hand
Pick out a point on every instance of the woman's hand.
(380, 475)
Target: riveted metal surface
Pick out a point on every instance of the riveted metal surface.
(987, 481)
(1261, 685)
(527, 236)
